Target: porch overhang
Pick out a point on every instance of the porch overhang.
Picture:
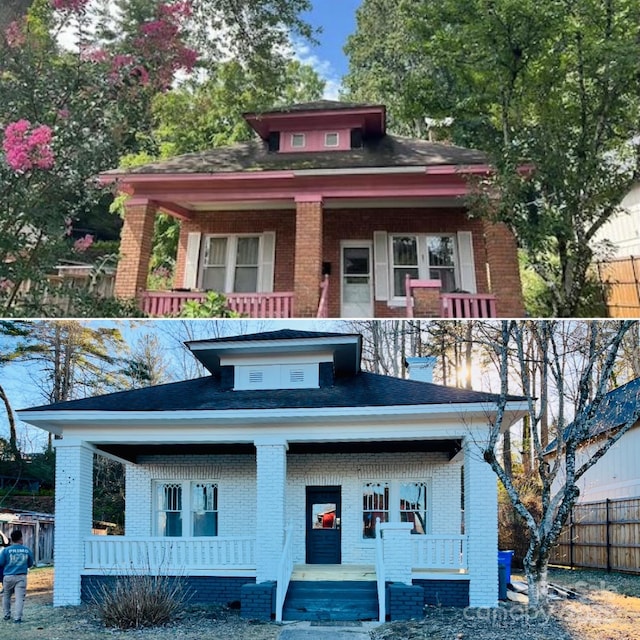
(239, 425)
(181, 195)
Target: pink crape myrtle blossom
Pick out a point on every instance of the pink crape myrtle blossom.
(6, 284)
(14, 34)
(82, 244)
(27, 148)
(72, 6)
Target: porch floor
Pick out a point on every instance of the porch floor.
(333, 572)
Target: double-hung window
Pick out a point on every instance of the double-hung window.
(428, 257)
(186, 509)
(395, 501)
(231, 264)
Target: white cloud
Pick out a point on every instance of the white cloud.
(302, 52)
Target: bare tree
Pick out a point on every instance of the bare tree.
(574, 382)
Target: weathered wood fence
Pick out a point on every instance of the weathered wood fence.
(37, 534)
(620, 280)
(602, 535)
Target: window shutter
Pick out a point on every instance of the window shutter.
(191, 261)
(467, 264)
(273, 142)
(267, 261)
(381, 262)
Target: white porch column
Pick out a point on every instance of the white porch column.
(74, 517)
(271, 478)
(480, 526)
(398, 556)
(138, 511)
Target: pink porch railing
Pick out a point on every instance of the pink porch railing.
(323, 307)
(453, 305)
(467, 305)
(250, 305)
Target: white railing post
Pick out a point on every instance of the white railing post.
(380, 576)
(285, 569)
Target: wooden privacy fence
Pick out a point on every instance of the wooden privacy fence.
(602, 535)
(620, 280)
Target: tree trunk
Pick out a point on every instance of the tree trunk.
(536, 571)
(13, 434)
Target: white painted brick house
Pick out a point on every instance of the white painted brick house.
(281, 460)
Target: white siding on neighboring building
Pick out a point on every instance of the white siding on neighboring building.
(623, 230)
(615, 475)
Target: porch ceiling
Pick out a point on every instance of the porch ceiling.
(132, 453)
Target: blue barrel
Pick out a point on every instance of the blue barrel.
(502, 581)
(504, 557)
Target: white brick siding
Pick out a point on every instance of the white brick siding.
(481, 527)
(73, 500)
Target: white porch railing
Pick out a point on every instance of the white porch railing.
(380, 575)
(166, 555)
(285, 569)
(439, 552)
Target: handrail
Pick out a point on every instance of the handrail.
(323, 306)
(285, 569)
(382, 605)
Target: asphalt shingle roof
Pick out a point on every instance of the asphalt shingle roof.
(387, 151)
(618, 407)
(206, 394)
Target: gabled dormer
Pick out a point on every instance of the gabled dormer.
(285, 359)
(322, 126)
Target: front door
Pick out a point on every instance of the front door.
(323, 525)
(357, 281)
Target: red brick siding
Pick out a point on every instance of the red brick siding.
(282, 222)
(136, 241)
(356, 224)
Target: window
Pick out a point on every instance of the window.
(298, 141)
(395, 501)
(413, 505)
(204, 509)
(375, 504)
(186, 509)
(231, 264)
(427, 257)
(331, 139)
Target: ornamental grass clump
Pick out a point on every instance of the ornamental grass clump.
(137, 601)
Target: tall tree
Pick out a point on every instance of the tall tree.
(571, 358)
(550, 84)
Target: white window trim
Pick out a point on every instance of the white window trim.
(232, 254)
(394, 501)
(187, 523)
(332, 133)
(423, 263)
(298, 146)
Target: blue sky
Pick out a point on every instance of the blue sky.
(337, 18)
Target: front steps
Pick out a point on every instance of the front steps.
(332, 592)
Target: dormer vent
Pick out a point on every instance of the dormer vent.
(277, 376)
(256, 376)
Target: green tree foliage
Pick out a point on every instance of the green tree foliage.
(551, 83)
(68, 113)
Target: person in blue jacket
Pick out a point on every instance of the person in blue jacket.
(15, 561)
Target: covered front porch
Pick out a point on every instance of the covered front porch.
(300, 246)
(268, 497)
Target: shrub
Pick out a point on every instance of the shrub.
(137, 601)
(213, 306)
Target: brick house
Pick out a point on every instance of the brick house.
(285, 475)
(323, 214)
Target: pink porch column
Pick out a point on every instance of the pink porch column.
(308, 256)
(135, 248)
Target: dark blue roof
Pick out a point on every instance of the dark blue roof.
(205, 394)
(282, 334)
(618, 407)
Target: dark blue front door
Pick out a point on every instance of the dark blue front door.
(323, 525)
